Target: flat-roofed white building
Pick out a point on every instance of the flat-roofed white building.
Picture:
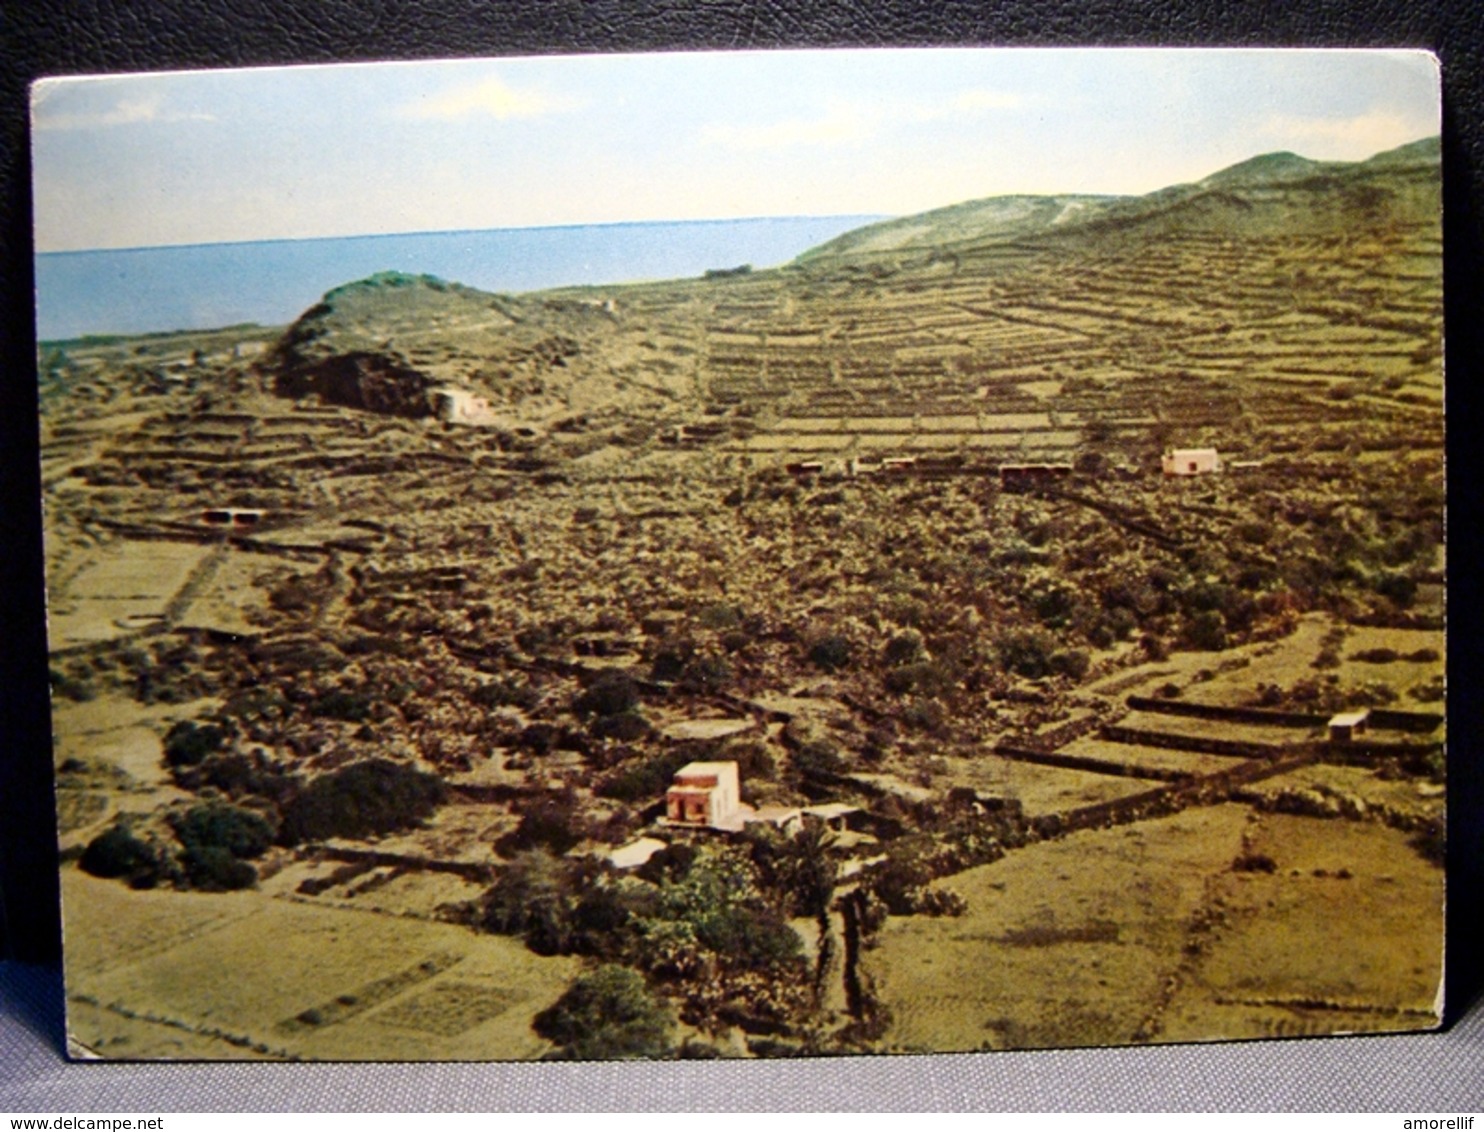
(1346, 725)
(705, 793)
(1191, 461)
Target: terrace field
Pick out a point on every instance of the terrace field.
(354, 702)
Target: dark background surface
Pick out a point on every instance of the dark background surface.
(38, 39)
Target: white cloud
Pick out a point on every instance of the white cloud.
(845, 123)
(124, 112)
(1349, 138)
(488, 98)
(840, 125)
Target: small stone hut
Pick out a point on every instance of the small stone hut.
(1191, 462)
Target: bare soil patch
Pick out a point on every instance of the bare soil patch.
(1064, 943)
(1327, 942)
(244, 964)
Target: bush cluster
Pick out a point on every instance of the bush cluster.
(609, 1014)
(188, 743)
(644, 779)
(118, 853)
(612, 693)
(365, 799)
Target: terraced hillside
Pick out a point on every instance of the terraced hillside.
(408, 612)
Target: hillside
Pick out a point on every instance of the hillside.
(994, 218)
(1264, 194)
(936, 304)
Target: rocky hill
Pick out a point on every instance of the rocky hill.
(385, 342)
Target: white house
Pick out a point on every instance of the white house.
(460, 406)
(707, 794)
(1191, 461)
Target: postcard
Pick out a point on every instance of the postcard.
(745, 554)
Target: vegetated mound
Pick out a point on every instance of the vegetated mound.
(346, 349)
(385, 342)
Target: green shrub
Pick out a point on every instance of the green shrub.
(1026, 653)
(830, 653)
(507, 691)
(612, 693)
(1398, 587)
(719, 616)
(535, 897)
(671, 864)
(214, 869)
(609, 1014)
(626, 727)
(1254, 863)
(925, 677)
(605, 915)
(748, 937)
(256, 703)
(538, 738)
(216, 825)
(1430, 691)
(704, 673)
(363, 800)
(734, 640)
(904, 648)
(78, 688)
(350, 707)
(819, 756)
(923, 715)
(236, 775)
(753, 758)
(116, 852)
(187, 743)
(553, 822)
(643, 780)
(1207, 631)
(940, 902)
(1070, 662)
(1432, 840)
(898, 881)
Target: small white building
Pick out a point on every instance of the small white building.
(707, 794)
(1191, 462)
(460, 406)
(1345, 726)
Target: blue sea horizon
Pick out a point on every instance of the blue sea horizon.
(272, 282)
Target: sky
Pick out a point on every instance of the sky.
(292, 153)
